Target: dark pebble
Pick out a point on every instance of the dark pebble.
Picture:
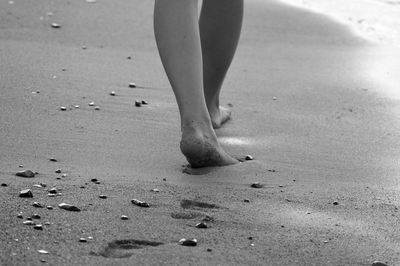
(257, 185)
(144, 102)
(132, 85)
(335, 203)
(53, 190)
(112, 93)
(49, 207)
(37, 205)
(124, 217)
(102, 196)
(82, 240)
(129, 58)
(20, 215)
(68, 207)
(164, 179)
(140, 203)
(53, 160)
(272, 170)
(379, 263)
(35, 216)
(209, 250)
(82, 187)
(38, 227)
(201, 225)
(55, 25)
(43, 184)
(250, 238)
(4, 185)
(188, 242)
(26, 193)
(58, 171)
(26, 173)
(97, 183)
(94, 180)
(138, 103)
(249, 158)
(246, 200)
(29, 218)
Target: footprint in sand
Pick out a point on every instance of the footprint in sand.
(191, 215)
(121, 248)
(193, 204)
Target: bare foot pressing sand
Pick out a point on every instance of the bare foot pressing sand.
(201, 148)
(219, 116)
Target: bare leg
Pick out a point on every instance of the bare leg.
(220, 26)
(178, 40)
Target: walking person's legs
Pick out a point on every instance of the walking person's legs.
(178, 39)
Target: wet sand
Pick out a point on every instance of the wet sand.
(307, 104)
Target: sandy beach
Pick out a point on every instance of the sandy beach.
(314, 104)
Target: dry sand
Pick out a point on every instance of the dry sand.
(305, 104)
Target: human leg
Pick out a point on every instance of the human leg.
(178, 41)
(220, 27)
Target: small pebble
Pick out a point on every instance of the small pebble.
(209, 250)
(58, 171)
(112, 93)
(94, 180)
(28, 222)
(49, 207)
(37, 185)
(144, 102)
(155, 190)
(38, 227)
(82, 240)
(164, 179)
(53, 159)
(249, 158)
(63, 108)
(19, 215)
(91, 104)
(132, 85)
(250, 238)
(35, 216)
(42, 251)
(129, 57)
(124, 217)
(379, 263)
(252, 244)
(246, 200)
(64, 175)
(53, 190)
(102, 196)
(257, 185)
(43, 184)
(76, 106)
(335, 203)
(90, 238)
(138, 103)
(68, 207)
(188, 242)
(97, 183)
(4, 185)
(140, 203)
(84, 47)
(26, 193)
(274, 98)
(308, 212)
(29, 218)
(97, 108)
(280, 186)
(326, 241)
(55, 25)
(37, 205)
(47, 223)
(21, 166)
(201, 225)
(26, 173)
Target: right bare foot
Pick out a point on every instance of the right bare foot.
(200, 146)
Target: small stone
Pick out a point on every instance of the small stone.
(68, 207)
(38, 227)
(112, 93)
(252, 244)
(21, 166)
(124, 217)
(58, 171)
(274, 98)
(47, 223)
(76, 106)
(97, 183)
(42, 251)
(82, 240)
(55, 25)
(257, 185)
(28, 222)
(272, 170)
(63, 108)
(201, 225)
(97, 108)
(43, 184)
(94, 180)
(164, 179)
(29, 218)
(82, 187)
(129, 57)
(35, 216)
(326, 241)
(84, 47)
(246, 200)
(53, 190)
(132, 85)
(280, 186)
(90, 238)
(91, 104)
(4, 185)
(26, 193)
(249, 158)
(188, 242)
(58, 178)
(19, 215)
(49, 207)
(26, 173)
(308, 212)
(102, 196)
(155, 190)
(37, 205)
(144, 102)
(250, 238)
(335, 203)
(379, 263)
(140, 203)
(64, 175)
(138, 103)
(209, 250)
